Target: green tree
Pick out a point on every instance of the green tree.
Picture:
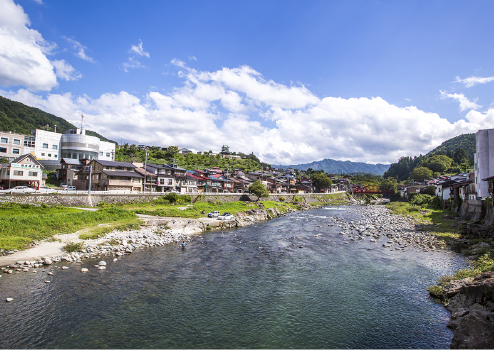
(320, 180)
(171, 152)
(438, 163)
(259, 190)
(421, 173)
(389, 185)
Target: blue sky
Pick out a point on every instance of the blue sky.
(292, 81)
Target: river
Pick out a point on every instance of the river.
(286, 283)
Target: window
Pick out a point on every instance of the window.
(18, 173)
(54, 147)
(3, 150)
(42, 154)
(33, 173)
(15, 151)
(101, 154)
(45, 145)
(107, 154)
(4, 140)
(55, 156)
(49, 154)
(16, 142)
(170, 182)
(162, 181)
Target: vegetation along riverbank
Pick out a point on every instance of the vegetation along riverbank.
(469, 293)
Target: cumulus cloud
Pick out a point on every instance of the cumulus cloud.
(279, 123)
(22, 51)
(137, 49)
(465, 103)
(472, 81)
(80, 50)
(65, 71)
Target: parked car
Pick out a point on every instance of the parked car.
(225, 216)
(70, 188)
(44, 189)
(214, 214)
(22, 189)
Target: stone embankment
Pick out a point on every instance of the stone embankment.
(472, 311)
(399, 232)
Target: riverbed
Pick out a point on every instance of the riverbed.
(291, 282)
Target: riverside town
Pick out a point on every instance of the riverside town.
(246, 175)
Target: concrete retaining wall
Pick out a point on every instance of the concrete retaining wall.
(472, 210)
(94, 198)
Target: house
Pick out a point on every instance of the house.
(170, 177)
(108, 175)
(150, 179)
(69, 167)
(22, 171)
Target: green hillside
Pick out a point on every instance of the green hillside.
(332, 166)
(19, 118)
(459, 150)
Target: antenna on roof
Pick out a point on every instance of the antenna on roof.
(82, 121)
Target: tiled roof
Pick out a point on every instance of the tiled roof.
(113, 163)
(71, 161)
(122, 173)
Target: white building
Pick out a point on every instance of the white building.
(484, 160)
(12, 145)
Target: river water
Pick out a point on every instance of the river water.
(271, 285)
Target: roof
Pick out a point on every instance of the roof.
(113, 163)
(489, 179)
(122, 173)
(21, 158)
(71, 161)
(141, 171)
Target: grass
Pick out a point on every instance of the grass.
(73, 247)
(30, 223)
(101, 230)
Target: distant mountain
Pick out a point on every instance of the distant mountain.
(465, 141)
(19, 118)
(332, 166)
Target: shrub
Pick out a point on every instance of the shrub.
(421, 200)
(73, 247)
(281, 198)
(412, 208)
(436, 291)
(298, 199)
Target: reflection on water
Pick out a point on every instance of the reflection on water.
(287, 283)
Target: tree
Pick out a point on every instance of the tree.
(171, 152)
(259, 190)
(320, 180)
(438, 163)
(421, 173)
(389, 185)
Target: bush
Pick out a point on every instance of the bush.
(73, 247)
(281, 198)
(412, 208)
(298, 199)
(421, 200)
(436, 291)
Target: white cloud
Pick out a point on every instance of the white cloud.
(131, 64)
(178, 63)
(465, 103)
(472, 81)
(192, 58)
(281, 124)
(137, 49)
(65, 71)
(22, 51)
(80, 50)
(39, 2)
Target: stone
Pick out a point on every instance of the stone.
(8, 300)
(84, 269)
(102, 263)
(47, 261)
(65, 267)
(101, 267)
(474, 331)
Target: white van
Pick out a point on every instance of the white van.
(70, 188)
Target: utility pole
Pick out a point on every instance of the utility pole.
(90, 174)
(145, 171)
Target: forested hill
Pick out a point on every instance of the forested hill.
(19, 118)
(459, 152)
(465, 141)
(332, 166)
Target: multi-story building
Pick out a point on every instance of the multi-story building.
(12, 145)
(484, 160)
(107, 175)
(50, 147)
(24, 170)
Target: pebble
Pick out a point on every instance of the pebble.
(84, 269)
(8, 300)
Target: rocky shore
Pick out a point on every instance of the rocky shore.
(155, 231)
(397, 232)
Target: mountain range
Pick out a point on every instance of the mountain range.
(332, 166)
